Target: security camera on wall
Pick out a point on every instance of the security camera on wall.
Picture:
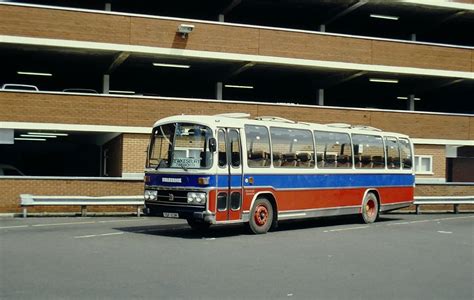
(185, 29)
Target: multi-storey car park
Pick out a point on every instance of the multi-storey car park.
(107, 70)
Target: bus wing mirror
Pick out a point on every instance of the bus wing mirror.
(212, 145)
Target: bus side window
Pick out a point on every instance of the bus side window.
(370, 149)
(393, 153)
(297, 146)
(221, 149)
(334, 149)
(234, 139)
(406, 154)
(258, 146)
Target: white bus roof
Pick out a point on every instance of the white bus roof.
(239, 120)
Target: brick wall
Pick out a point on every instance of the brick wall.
(444, 190)
(58, 24)
(438, 152)
(12, 188)
(113, 150)
(134, 152)
(99, 110)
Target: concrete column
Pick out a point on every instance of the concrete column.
(108, 6)
(219, 86)
(106, 84)
(411, 102)
(322, 28)
(321, 97)
(413, 37)
(221, 18)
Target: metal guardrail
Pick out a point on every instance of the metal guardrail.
(82, 201)
(433, 200)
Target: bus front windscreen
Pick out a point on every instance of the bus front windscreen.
(180, 145)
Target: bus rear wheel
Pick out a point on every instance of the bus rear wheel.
(261, 216)
(200, 227)
(370, 208)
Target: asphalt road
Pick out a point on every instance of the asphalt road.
(403, 256)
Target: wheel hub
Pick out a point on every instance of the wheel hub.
(370, 208)
(261, 215)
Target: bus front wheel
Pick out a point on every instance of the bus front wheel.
(370, 208)
(261, 216)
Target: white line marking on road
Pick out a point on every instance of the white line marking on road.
(112, 221)
(84, 236)
(98, 235)
(433, 220)
(18, 226)
(400, 223)
(112, 233)
(59, 224)
(344, 229)
(448, 232)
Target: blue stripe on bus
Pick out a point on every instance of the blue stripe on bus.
(294, 181)
(174, 180)
(331, 180)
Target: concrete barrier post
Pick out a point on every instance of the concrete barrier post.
(83, 210)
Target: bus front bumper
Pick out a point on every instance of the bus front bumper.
(178, 211)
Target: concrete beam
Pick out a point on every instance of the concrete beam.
(345, 11)
(231, 6)
(119, 59)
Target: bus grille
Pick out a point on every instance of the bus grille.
(173, 196)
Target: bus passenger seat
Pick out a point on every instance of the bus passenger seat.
(366, 161)
(256, 159)
(343, 161)
(277, 159)
(390, 162)
(407, 163)
(304, 160)
(378, 162)
(290, 160)
(320, 161)
(357, 161)
(330, 161)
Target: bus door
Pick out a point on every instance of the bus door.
(229, 175)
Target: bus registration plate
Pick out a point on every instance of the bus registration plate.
(170, 215)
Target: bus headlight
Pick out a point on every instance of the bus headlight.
(197, 198)
(151, 195)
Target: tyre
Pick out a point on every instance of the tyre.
(370, 208)
(200, 227)
(261, 216)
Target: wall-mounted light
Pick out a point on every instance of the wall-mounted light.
(30, 139)
(171, 66)
(406, 98)
(38, 136)
(238, 86)
(383, 80)
(48, 133)
(121, 92)
(393, 18)
(185, 29)
(33, 73)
